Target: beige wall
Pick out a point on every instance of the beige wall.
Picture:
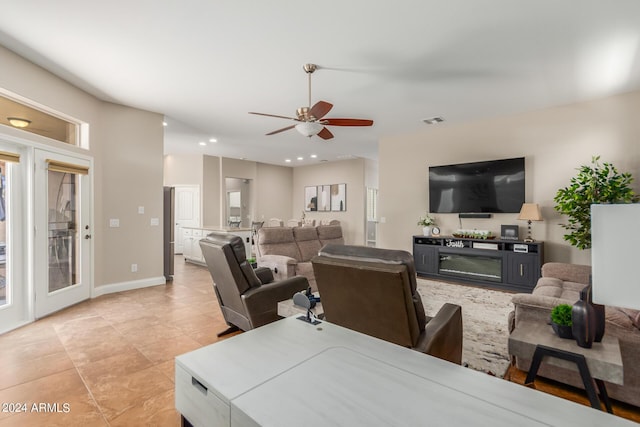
(183, 169)
(350, 172)
(274, 188)
(127, 146)
(270, 188)
(132, 178)
(554, 142)
(211, 187)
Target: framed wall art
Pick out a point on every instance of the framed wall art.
(311, 199)
(339, 197)
(324, 198)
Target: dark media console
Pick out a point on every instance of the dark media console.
(504, 264)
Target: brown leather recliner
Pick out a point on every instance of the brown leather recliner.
(248, 298)
(373, 291)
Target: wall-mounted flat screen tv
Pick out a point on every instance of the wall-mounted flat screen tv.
(495, 186)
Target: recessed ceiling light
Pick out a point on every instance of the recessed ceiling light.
(300, 158)
(433, 120)
(213, 140)
(164, 123)
(202, 143)
(313, 156)
(287, 160)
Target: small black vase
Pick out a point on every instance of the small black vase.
(598, 312)
(563, 331)
(583, 328)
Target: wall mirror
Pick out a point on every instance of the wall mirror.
(237, 202)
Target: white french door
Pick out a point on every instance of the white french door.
(62, 206)
(14, 309)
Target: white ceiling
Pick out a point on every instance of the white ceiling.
(205, 64)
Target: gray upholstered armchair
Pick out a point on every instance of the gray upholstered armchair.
(248, 298)
(561, 283)
(373, 291)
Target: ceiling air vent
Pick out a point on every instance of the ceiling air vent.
(433, 120)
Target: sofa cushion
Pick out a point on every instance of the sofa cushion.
(618, 317)
(330, 234)
(307, 240)
(278, 241)
(567, 272)
(556, 288)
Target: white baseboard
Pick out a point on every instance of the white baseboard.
(127, 286)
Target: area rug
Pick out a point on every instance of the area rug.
(484, 321)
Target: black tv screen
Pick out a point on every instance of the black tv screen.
(495, 186)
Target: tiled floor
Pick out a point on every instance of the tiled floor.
(108, 361)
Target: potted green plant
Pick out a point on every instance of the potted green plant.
(426, 222)
(561, 320)
(594, 184)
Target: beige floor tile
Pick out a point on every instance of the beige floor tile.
(23, 371)
(116, 394)
(57, 388)
(158, 410)
(117, 365)
(166, 350)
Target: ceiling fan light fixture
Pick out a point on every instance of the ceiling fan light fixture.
(18, 122)
(309, 129)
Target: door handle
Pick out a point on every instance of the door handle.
(87, 236)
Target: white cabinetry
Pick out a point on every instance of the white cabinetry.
(191, 238)
(191, 241)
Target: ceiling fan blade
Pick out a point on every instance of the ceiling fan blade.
(273, 115)
(320, 109)
(347, 122)
(325, 134)
(281, 130)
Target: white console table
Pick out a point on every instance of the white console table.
(290, 373)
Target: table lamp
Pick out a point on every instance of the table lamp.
(530, 212)
(614, 247)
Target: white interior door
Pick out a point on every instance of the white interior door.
(63, 231)
(187, 212)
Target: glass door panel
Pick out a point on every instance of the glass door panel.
(63, 242)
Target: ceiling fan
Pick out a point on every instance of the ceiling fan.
(311, 119)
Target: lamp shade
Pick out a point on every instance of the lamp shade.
(309, 128)
(614, 255)
(530, 212)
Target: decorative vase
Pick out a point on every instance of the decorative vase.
(598, 312)
(563, 331)
(426, 231)
(584, 323)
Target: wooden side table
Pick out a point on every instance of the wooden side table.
(602, 362)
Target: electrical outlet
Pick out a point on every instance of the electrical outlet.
(155, 221)
(140, 209)
(134, 268)
(114, 223)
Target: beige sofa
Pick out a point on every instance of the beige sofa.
(561, 284)
(287, 251)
